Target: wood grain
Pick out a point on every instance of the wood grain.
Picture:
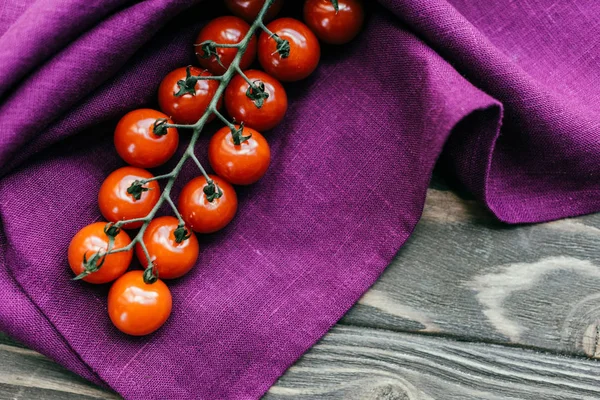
(465, 275)
(361, 363)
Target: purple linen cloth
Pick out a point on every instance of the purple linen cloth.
(508, 89)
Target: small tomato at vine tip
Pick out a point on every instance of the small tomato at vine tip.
(291, 63)
(249, 9)
(224, 30)
(86, 249)
(262, 107)
(123, 195)
(138, 308)
(331, 26)
(186, 98)
(140, 140)
(241, 158)
(173, 249)
(207, 208)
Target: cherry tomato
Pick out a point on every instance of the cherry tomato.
(137, 143)
(334, 27)
(244, 109)
(138, 308)
(91, 240)
(171, 259)
(249, 9)
(304, 50)
(243, 163)
(118, 204)
(194, 95)
(206, 216)
(225, 30)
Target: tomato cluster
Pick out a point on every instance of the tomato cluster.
(287, 50)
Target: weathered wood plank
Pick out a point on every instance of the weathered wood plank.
(26, 374)
(464, 274)
(364, 363)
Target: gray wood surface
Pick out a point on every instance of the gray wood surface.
(470, 309)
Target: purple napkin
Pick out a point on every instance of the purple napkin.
(508, 89)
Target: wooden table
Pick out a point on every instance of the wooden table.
(470, 309)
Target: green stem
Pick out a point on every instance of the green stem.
(225, 121)
(156, 178)
(197, 129)
(175, 210)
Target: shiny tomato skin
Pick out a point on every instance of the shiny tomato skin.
(248, 9)
(242, 109)
(171, 259)
(225, 30)
(187, 109)
(118, 205)
(204, 216)
(242, 164)
(136, 142)
(88, 241)
(332, 27)
(137, 308)
(304, 56)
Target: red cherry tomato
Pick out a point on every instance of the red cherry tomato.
(249, 9)
(240, 164)
(225, 30)
(170, 258)
(138, 308)
(138, 145)
(206, 216)
(244, 109)
(334, 27)
(193, 99)
(304, 52)
(117, 204)
(91, 240)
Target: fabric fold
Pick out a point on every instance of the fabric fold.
(350, 169)
(532, 58)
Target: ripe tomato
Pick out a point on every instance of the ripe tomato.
(331, 26)
(224, 30)
(243, 163)
(244, 109)
(137, 143)
(304, 50)
(119, 201)
(249, 9)
(138, 308)
(206, 216)
(170, 258)
(187, 108)
(91, 240)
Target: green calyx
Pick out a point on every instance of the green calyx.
(136, 189)
(212, 191)
(92, 265)
(111, 230)
(159, 128)
(256, 92)
(283, 46)
(187, 85)
(238, 135)
(181, 234)
(336, 6)
(208, 49)
(150, 274)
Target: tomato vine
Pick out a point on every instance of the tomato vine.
(161, 126)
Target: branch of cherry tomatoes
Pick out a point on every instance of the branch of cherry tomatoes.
(288, 50)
